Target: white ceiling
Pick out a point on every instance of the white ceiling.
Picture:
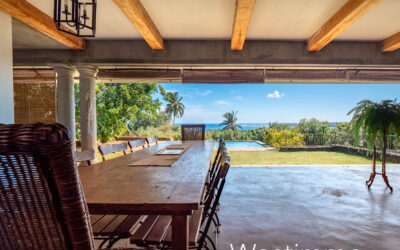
(213, 19)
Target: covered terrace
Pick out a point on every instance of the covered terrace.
(218, 42)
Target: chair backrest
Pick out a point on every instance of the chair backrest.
(112, 148)
(210, 206)
(86, 155)
(193, 132)
(152, 139)
(42, 205)
(213, 179)
(137, 143)
(221, 146)
(218, 161)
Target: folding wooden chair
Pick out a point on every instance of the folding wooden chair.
(156, 229)
(137, 143)
(112, 148)
(86, 155)
(151, 140)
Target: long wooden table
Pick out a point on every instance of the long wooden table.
(113, 187)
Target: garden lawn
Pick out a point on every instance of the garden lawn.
(294, 158)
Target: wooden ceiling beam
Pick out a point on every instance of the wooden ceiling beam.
(340, 21)
(27, 13)
(138, 15)
(243, 12)
(391, 43)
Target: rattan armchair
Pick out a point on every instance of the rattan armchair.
(42, 205)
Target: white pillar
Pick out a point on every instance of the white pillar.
(88, 120)
(6, 70)
(65, 98)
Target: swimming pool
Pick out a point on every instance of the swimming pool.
(242, 144)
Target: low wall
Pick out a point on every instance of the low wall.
(390, 156)
(307, 148)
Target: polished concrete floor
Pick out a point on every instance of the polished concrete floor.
(302, 208)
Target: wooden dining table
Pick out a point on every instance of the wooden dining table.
(113, 187)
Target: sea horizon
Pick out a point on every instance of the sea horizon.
(255, 125)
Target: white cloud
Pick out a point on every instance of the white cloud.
(204, 93)
(188, 96)
(223, 103)
(238, 98)
(275, 94)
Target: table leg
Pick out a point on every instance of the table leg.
(180, 232)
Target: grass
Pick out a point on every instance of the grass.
(284, 158)
(295, 158)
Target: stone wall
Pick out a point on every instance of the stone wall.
(34, 102)
(391, 156)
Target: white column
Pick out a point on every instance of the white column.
(88, 120)
(65, 98)
(6, 70)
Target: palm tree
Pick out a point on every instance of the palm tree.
(376, 121)
(230, 121)
(175, 107)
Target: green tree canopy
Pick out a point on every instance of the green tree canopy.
(175, 108)
(280, 126)
(120, 106)
(230, 121)
(315, 132)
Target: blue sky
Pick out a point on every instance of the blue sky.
(263, 103)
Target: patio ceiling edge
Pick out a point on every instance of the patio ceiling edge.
(211, 53)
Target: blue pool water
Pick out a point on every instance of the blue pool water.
(242, 144)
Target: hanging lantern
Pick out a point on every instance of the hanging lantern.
(76, 17)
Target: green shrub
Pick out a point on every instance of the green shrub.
(166, 131)
(279, 138)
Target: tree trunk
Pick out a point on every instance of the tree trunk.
(374, 160)
(384, 153)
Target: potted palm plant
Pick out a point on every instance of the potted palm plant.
(376, 121)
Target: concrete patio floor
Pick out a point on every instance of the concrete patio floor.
(325, 207)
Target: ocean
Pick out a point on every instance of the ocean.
(247, 126)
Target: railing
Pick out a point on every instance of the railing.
(312, 139)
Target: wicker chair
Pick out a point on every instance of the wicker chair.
(194, 132)
(42, 205)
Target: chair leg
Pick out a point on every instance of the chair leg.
(102, 243)
(215, 225)
(219, 223)
(212, 243)
(112, 241)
